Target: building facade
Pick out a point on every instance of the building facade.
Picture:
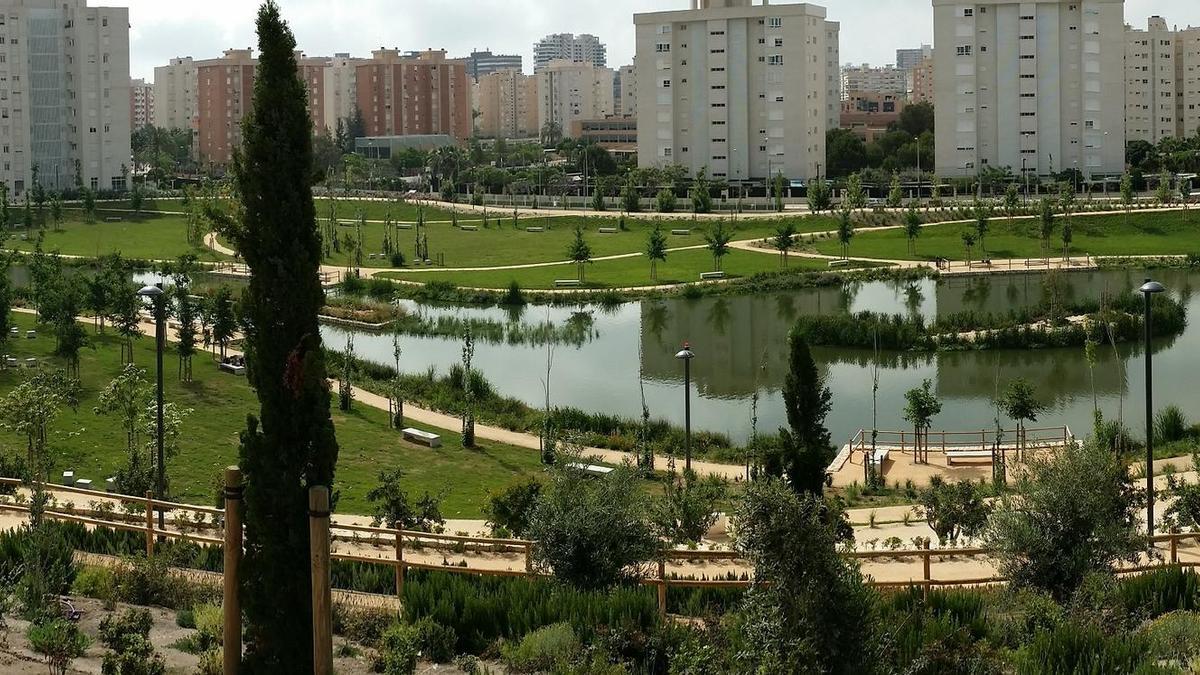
(833, 74)
(616, 134)
(907, 59)
(481, 63)
(141, 104)
(868, 113)
(64, 95)
(341, 89)
(733, 88)
(1162, 82)
(1035, 84)
(176, 99)
(507, 102)
(626, 104)
(568, 47)
(568, 91)
(881, 80)
(921, 88)
(423, 95)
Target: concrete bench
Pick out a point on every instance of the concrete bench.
(14, 330)
(422, 437)
(373, 256)
(591, 469)
(535, 229)
(708, 276)
(232, 369)
(31, 334)
(110, 484)
(469, 228)
(10, 362)
(567, 283)
(960, 455)
(880, 456)
(31, 363)
(839, 263)
(681, 233)
(608, 230)
(113, 219)
(84, 483)
(347, 223)
(68, 478)
(404, 226)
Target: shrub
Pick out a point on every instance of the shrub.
(50, 569)
(128, 639)
(209, 626)
(438, 643)
(362, 624)
(1175, 637)
(1149, 595)
(1081, 648)
(542, 650)
(392, 505)
(59, 642)
(1170, 425)
(399, 649)
(514, 296)
(512, 508)
(96, 582)
(397, 259)
(142, 581)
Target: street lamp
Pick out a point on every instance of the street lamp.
(686, 355)
(155, 294)
(1149, 289)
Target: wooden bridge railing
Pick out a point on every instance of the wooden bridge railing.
(943, 441)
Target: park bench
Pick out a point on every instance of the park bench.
(404, 226)
(31, 362)
(67, 608)
(346, 223)
(960, 455)
(68, 478)
(233, 368)
(422, 437)
(709, 276)
(839, 263)
(113, 219)
(14, 330)
(567, 283)
(10, 362)
(535, 229)
(110, 484)
(469, 228)
(31, 334)
(591, 469)
(681, 233)
(84, 483)
(608, 230)
(880, 456)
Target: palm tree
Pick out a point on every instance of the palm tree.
(717, 241)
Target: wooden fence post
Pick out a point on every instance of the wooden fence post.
(231, 603)
(318, 533)
(925, 555)
(399, 561)
(149, 524)
(528, 558)
(1174, 545)
(662, 587)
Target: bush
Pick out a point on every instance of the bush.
(438, 643)
(96, 582)
(128, 640)
(1079, 648)
(397, 259)
(512, 508)
(392, 505)
(514, 296)
(1170, 425)
(1150, 595)
(50, 569)
(142, 581)
(363, 625)
(399, 649)
(1175, 637)
(59, 642)
(542, 650)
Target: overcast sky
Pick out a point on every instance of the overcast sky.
(161, 29)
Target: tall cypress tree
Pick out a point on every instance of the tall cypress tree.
(290, 445)
(805, 447)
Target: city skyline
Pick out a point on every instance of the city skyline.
(161, 31)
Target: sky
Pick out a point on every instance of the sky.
(162, 29)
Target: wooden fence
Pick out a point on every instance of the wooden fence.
(944, 441)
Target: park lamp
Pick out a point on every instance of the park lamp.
(686, 355)
(1152, 287)
(1148, 290)
(153, 292)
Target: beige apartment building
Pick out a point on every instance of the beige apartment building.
(734, 88)
(507, 102)
(874, 80)
(1036, 84)
(568, 91)
(1162, 81)
(921, 89)
(627, 103)
(341, 89)
(833, 76)
(425, 94)
(176, 100)
(141, 104)
(75, 59)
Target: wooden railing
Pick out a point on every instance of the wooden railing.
(943, 441)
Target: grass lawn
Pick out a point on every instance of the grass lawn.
(150, 236)
(1145, 234)
(680, 267)
(347, 208)
(94, 446)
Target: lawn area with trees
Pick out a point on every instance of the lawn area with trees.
(146, 236)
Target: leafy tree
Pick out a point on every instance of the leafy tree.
(185, 335)
(716, 240)
(89, 205)
(631, 198)
(1185, 194)
(5, 214)
(805, 448)
(59, 641)
(56, 210)
(666, 200)
(1066, 240)
(224, 323)
(784, 239)
(1072, 513)
(845, 152)
(777, 188)
(1127, 195)
(393, 508)
(912, 227)
(922, 405)
(954, 510)
(845, 232)
(656, 250)
(700, 194)
(1162, 195)
(1012, 201)
(512, 508)
(346, 377)
(579, 252)
(591, 532)
(126, 396)
(136, 199)
(968, 240)
(125, 316)
(290, 445)
(469, 393)
(917, 119)
(688, 507)
(856, 196)
(1019, 401)
(896, 194)
(1047, 226)
(983, 214)
(127, 638)
(820, 196)
(808, 610)
(29, 408)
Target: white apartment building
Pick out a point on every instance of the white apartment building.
(507, 103)
(627, 104)
(874, 80)
(734, 88)
(833, 75)
(341, 89)
(141, 103)
(175, 94)
(1033, 83)
(1162, 82)
(64, 95)
(568, 47)
(569, 91)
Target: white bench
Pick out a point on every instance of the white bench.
(707, 276)
(10, 362)
(31, 334)
(839, 263)
(346, 223)
(110, 484)
(535, 229)
(681, 233)
(880, 456)
(31, 363)
(567, 283)
(232, 369)
(422, 437)
(469, 228)
(68, 478)
(591, 469)
(960, 455)
(14, 330)
(84, 483)
(404, 226)
(113, 219)
(608, 230)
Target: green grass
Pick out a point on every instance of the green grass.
(150, 236)
(1108, 235)
(347, 209)
(94, 446)
(680, 267)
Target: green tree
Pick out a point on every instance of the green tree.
(784, 240)
(716, 240)
(185, 334)
(912, 227)
(136, 199)
(59, 641)
(29, 408)
(1019, 401)
(896, 194)
(512, 508)
(224, 323)
(579, 252)
(1012, 202)
(921, 406)
(1066, 240)
(820, 196)
(777, 188)
(469, 393)
(125, 397)
(1072, 513)
(656, 250)
(1162, 195)
(700, 194)
(983, 214)
(845, 232)
(89, 205)
(125, 315)
(1185, 194)
(631, 197)
(392, 506)
(688, 506)
(856, 196)
(1047, 227)
(5, 214)
(56, 210)
(291, 444)
(1127, 194)
(666, 200)
(968, 240)
(805, 449)
(954, 510)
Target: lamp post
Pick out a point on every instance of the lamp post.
(1025, 176)
(1149, 289)
(686, 355)
(156, 296)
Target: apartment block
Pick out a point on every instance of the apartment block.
(64, 95)
(141, 103)
(876, 80)
(176, 99)
(627, 103)
(568, 47)
(734, 88)
(921, 87)
(907, 59)
(1036, 84)
(341, 89)
(1162, 82)
(507, 102)
(423, 95)
(869, 113)
(481, 63)
(833, 74)
(570, 91)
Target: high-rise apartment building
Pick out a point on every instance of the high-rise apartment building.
(874, 80)
(481, 63)
(907, 59)
(64, 95)
(833, 74)
(141, 104)
(1162, 82)
(423, 95)
(921, 87)
(569, 91)
(567, 47)
(341, 89)
(627, 101)
(1038, 84)
(734, 88)
(507, 102)
(176, 99)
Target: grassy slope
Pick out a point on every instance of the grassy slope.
(148, 236)
(94, 446)
(1145, 234)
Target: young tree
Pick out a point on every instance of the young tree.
(912, 227)
(468, 418)
(845, 232)
(1127, 195)
(820, 196)
(185, 335)
(393, 508)
(1047, 227)
(125, 397)
(1185, 194)
(716, 240)
(656, 250)
(1066, 240)
(688, 506)
(579, 252)
(784, 240)
(89, 205)
(1019, 401)
(1012, 202)
(666, 200)
(777, 188)
(1072, 513)
(346, 377)
(805, 449)
(968, 240)
(56, 210)
(29, 408)
(631, 198)
(982, 218)
(895, 194)
(921, 407)
(5, 214)
(700, 195)
(1162, 195)
(856, 196)
(290, 445)
(954, 510)
(125, 316)
(224, 323)
(136, 199)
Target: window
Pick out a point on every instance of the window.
(104, 21)
(718, 105)
(778, 42)
(775, 22)
(718, 123)
(716, 32)
(775, 60)
(666, 84)
(662, 47)
(716, 51)
(964, 50)
(968, 12)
